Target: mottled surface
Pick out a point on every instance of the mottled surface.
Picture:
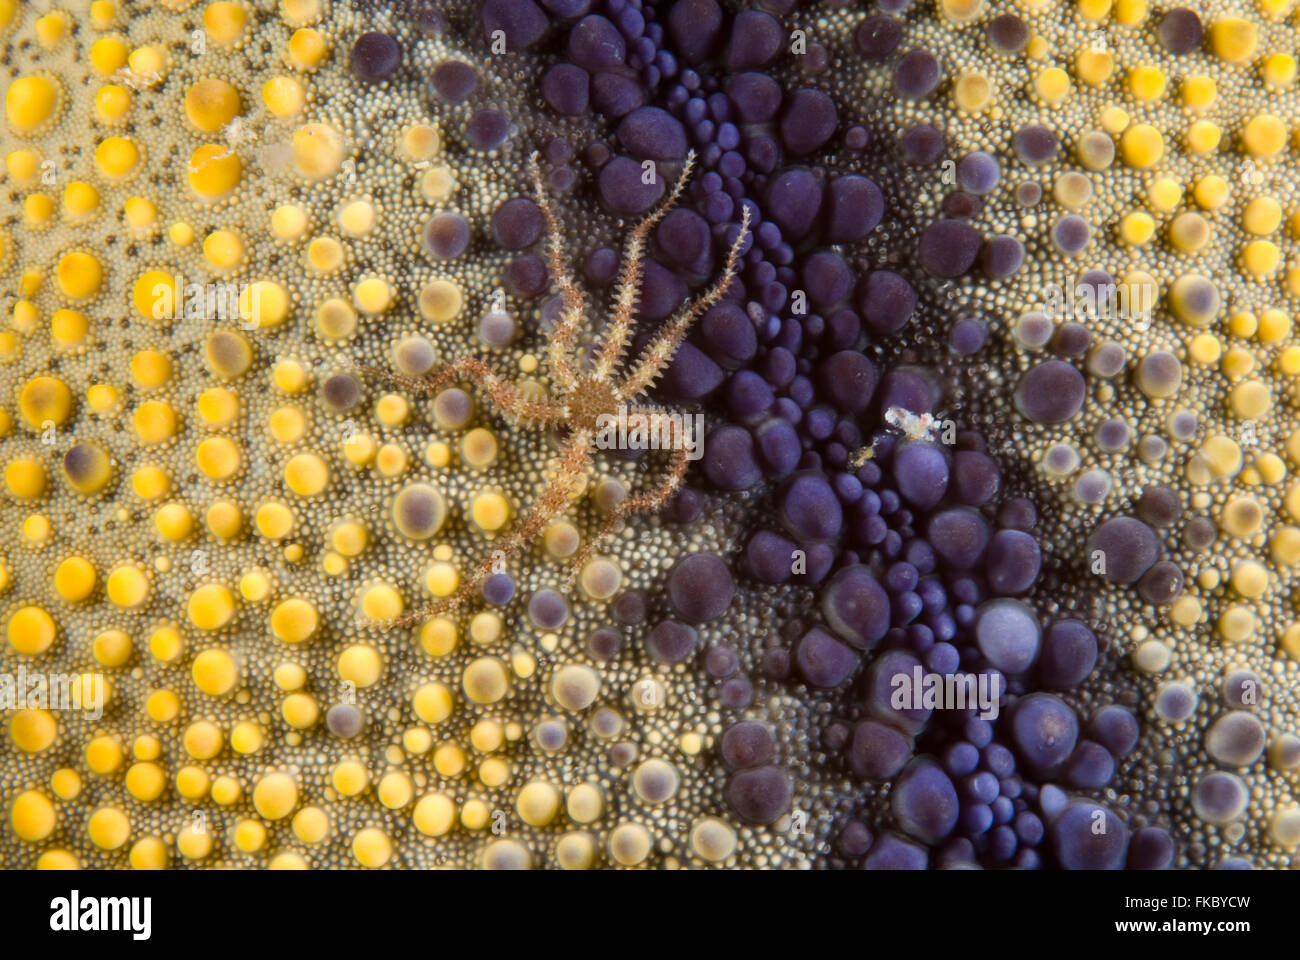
(933, 441)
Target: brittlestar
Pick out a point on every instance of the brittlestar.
(585, 395)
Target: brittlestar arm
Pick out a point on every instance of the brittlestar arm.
(641, 503)
(553, 501)
(659, 352)
(575, 305)
(504, 395)
(615, 338)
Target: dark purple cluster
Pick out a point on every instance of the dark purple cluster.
(922, 568)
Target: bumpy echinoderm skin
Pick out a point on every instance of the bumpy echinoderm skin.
(1000, 394)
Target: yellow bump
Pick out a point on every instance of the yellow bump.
(360, 664)
(30, 102)
(1264, 136)
(211, 104)
(438, 637)
(80, 201)
(372, 295)
(149, 853)
(150, 483)
(249, 836)
(223, 249)
(156, 295)
(1142, 146)
(335, 319)
(51, 29)
(372, 848)
(437, 184)
(145, 781)
(148, 64)
(25, 478)
(283, 96)
(224, 21)
(357, 218)
(1236, 624)
(211, 606)
(33, 730)
(485, 680)
(289, 376)
(226, 790)
(421, 142)
(300, 710)
(37, 210)
(214, 672)
(1262, 216)
(1274, 325)
(1249, 579)
(306, 475)
(32, 816)
(434, 814)
(193, 842)
(1052, 85)
(1137, 228)
(432, 702)
(317, 151)
(537, 803)
(218, 458)
(294, 620)
(394, 790)
(163, 706)
(307, 49)
(74, 579)
(1147, 82)
(112, 103)
(66, 783)
(275, 796)
(490, 511)
(311, 825)
(1261, 258)
(202, 740)
(116, 158)
(1094, 67)
(324, 255)
(1233, 39)
(108, 828)
(23, 165)
(127, 586)
(79, 274)
(112, 648)
(214, 171)
(1203, 137)
(1199, 92)
(264, 303)
(1278, 70)
(349, 778)
(449, 760)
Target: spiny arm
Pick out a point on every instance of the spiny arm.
(659, 352)
(618, 332)
(552, 502)
(640, 503)
(504, 395)
(574, 304)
